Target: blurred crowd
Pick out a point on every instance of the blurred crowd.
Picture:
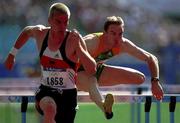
(143, 25)
(146, 26)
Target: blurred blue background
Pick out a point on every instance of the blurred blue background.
(153, 25)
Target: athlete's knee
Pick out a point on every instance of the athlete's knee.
(48, 106)
(141, 78)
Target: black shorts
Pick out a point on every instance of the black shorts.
(66, 101)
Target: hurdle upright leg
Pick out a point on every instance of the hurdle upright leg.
(139, 92)
(24, 105)
(158, 112)
(147, 108)
(172, 106)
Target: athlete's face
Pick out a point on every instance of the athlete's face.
(115, 32)
(58, 22)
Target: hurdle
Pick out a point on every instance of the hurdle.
(24, 99)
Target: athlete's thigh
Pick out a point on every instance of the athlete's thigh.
(113, 75)
(82, 81)
(48, 104)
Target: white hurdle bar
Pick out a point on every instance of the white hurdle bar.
(130, 98)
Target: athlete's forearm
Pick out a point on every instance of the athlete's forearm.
(153, 66)
(22, 39)
(87, 61)
(143, 55)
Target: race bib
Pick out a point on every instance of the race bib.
(59, 79)
(55, 79)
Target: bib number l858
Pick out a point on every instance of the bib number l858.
(55, 81)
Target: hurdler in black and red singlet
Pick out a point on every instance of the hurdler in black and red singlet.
(58, 81)
(57, 70)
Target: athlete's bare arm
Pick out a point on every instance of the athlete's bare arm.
(78, 35)
(130, 48)
(80, 50)
(133, 50)
(36, 32)
(27, 32)
(87, 61)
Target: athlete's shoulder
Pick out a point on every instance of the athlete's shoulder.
(41, 27)
(35, 30)
(126, 41)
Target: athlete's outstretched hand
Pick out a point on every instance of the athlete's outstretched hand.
(157, 90)
(9, 62)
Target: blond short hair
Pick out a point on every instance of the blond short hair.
(113, 20)
(59, 7)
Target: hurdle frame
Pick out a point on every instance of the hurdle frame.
(24, 99)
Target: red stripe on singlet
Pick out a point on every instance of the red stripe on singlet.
(53, 63)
